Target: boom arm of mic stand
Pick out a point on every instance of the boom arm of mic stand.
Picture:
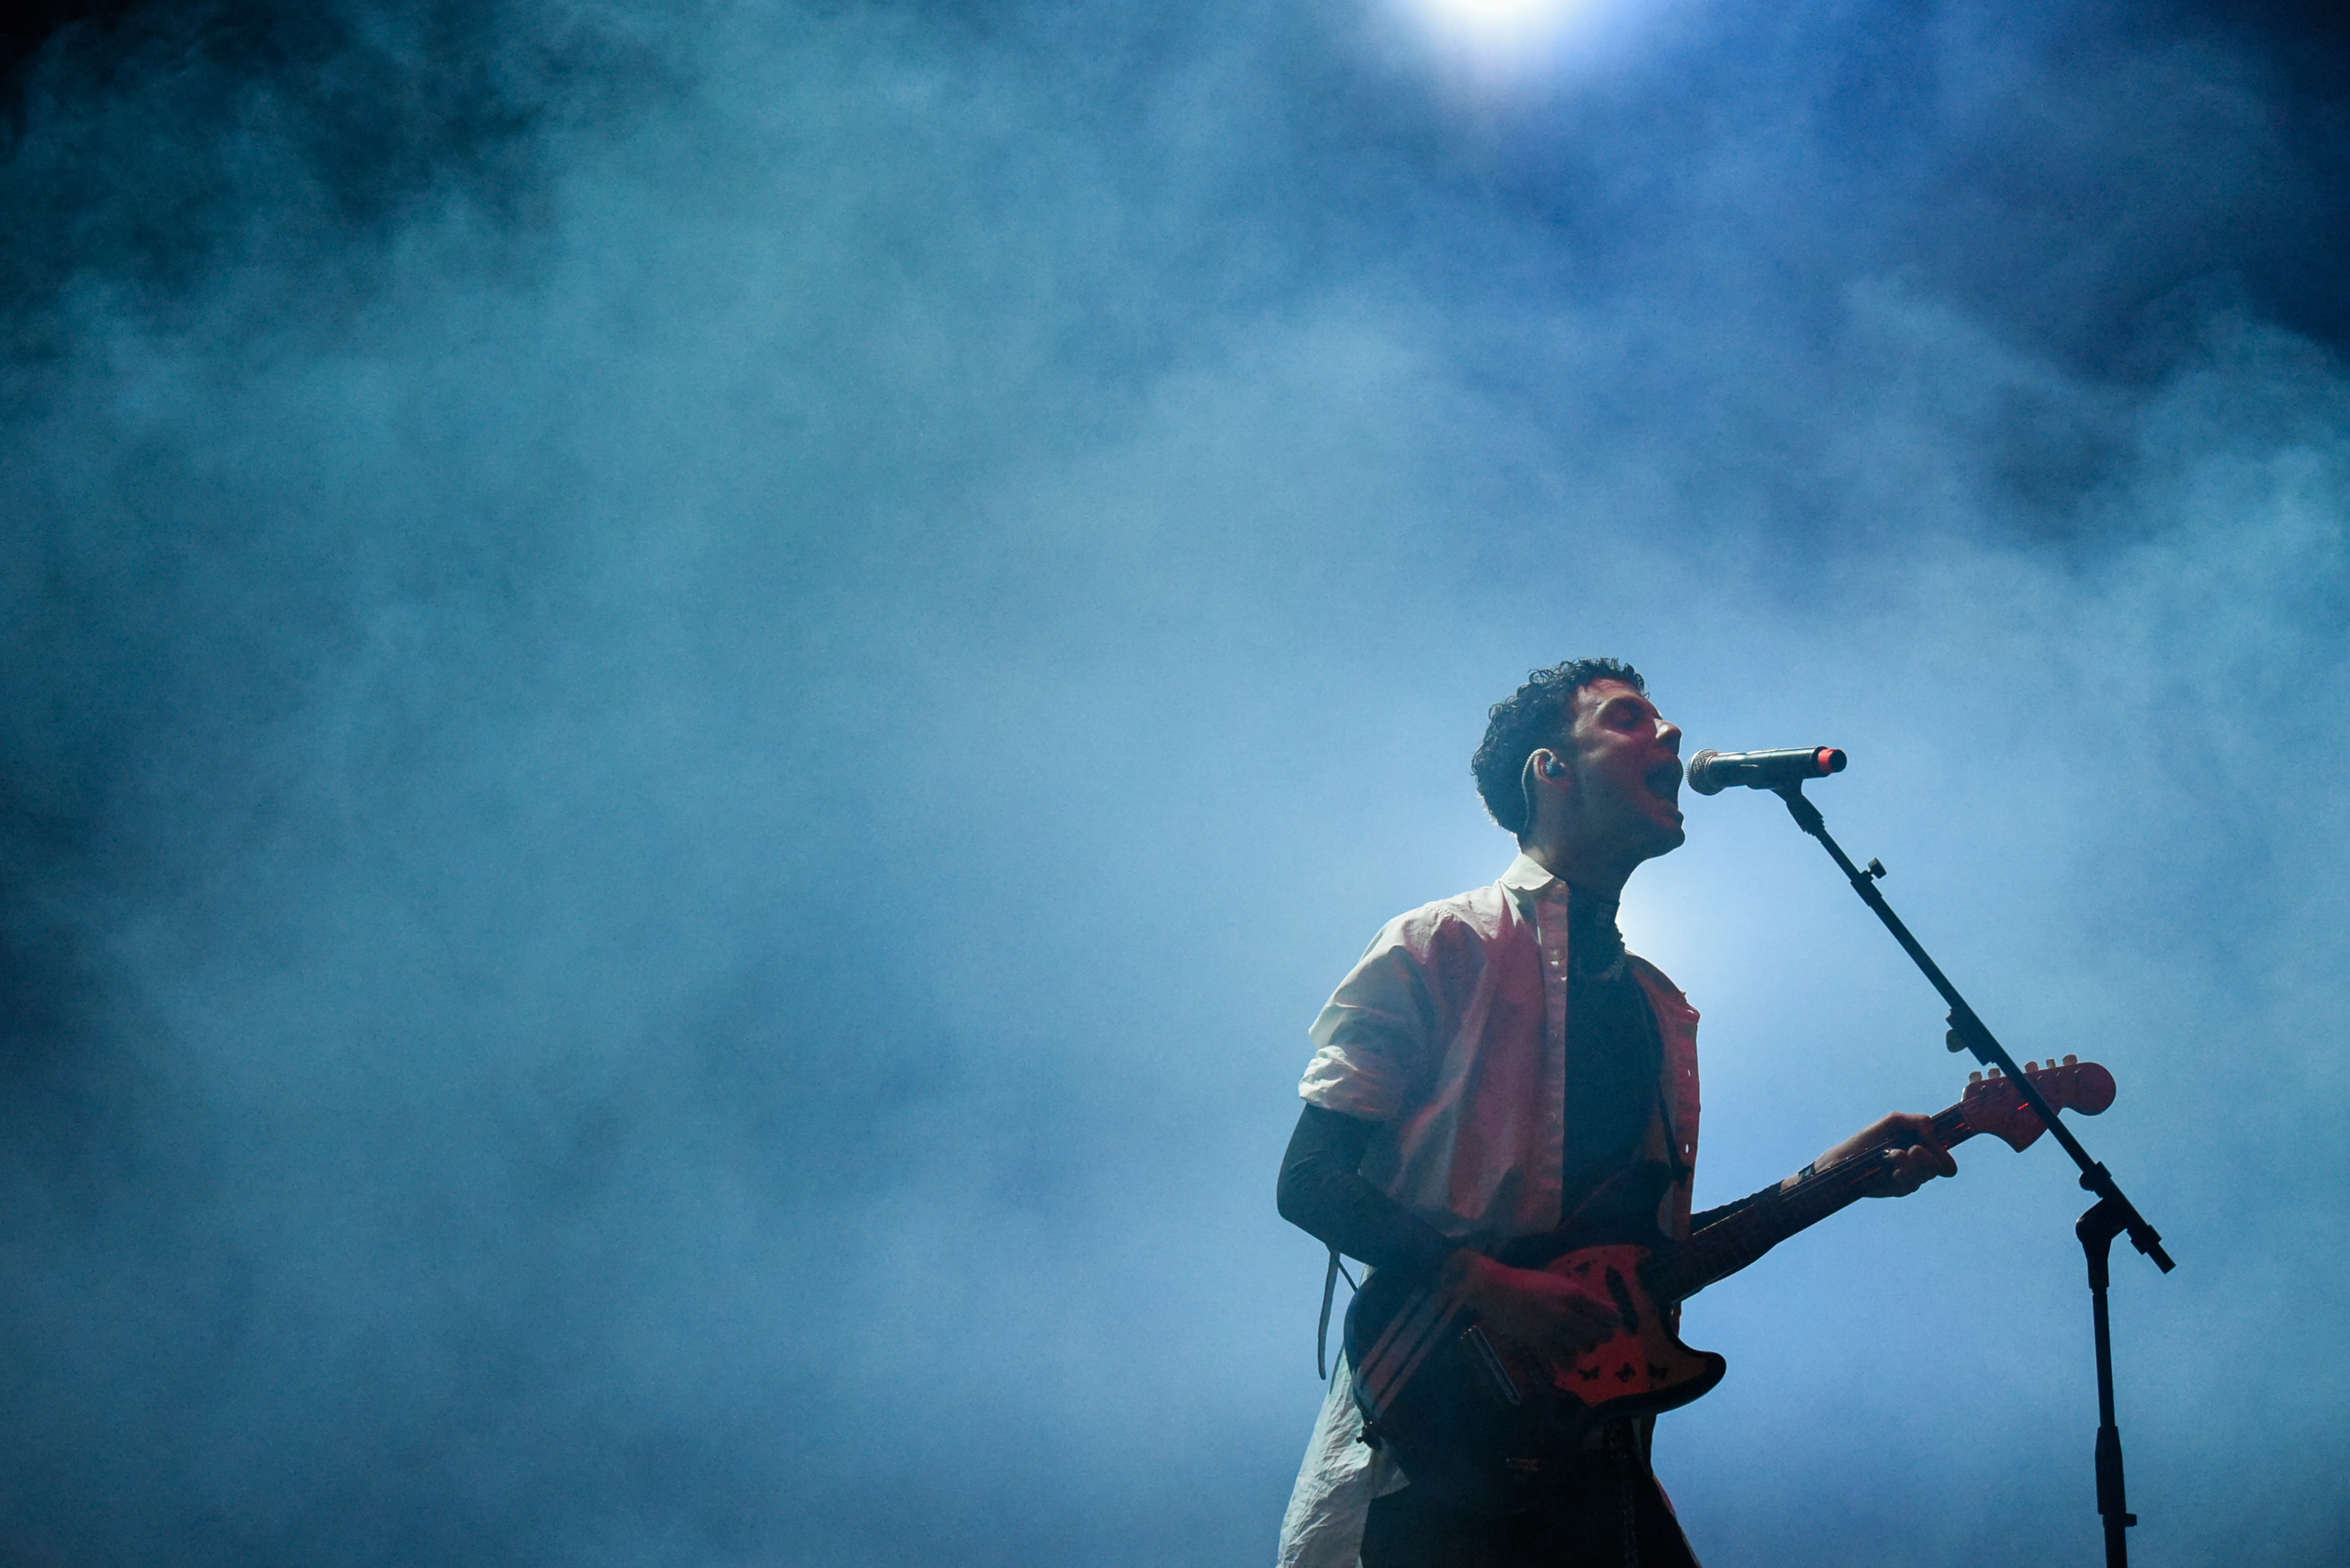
(1969, 1032)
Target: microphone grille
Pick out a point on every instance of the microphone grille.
(1700, 776)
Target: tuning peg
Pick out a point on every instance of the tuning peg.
(1994, 1071)
(2032, 1066)
(2071, 1061)
(1974, 1077)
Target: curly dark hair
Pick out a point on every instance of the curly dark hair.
(1535, 715)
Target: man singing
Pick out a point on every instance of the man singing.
(1486, 1073)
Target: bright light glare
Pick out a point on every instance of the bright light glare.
(1500, 38)
(1501, 14)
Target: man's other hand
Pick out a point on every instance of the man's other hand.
(1918, 1155)
(1541, 1311)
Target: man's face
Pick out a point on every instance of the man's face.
(1628, 771)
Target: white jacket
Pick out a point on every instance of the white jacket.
(1451, 1034)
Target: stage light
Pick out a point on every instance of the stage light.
(1497, 41)
(1504, 15)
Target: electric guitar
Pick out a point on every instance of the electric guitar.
(1486, 1423)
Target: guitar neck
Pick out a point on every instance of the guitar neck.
(1729, 1244)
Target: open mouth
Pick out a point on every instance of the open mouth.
(1664, 781)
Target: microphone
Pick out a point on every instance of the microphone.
(1710, 773)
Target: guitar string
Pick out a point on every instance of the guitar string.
(1755, 1230)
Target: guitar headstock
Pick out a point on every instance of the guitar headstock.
(1993, 1106)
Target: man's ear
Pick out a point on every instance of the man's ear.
(1544, 761)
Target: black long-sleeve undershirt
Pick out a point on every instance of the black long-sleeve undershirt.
(1324, 1192)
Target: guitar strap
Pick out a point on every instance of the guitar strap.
(1682, 1170)
(1322, 1332)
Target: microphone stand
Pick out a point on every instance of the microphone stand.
(2112, 1213)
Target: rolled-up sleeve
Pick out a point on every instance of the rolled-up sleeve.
(1375, 1038)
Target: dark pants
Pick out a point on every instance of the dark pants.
(1607, 1514)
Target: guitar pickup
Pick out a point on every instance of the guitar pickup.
(1481, 1349)
(1626, 1312)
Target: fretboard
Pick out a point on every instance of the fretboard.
(1729, 1244)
